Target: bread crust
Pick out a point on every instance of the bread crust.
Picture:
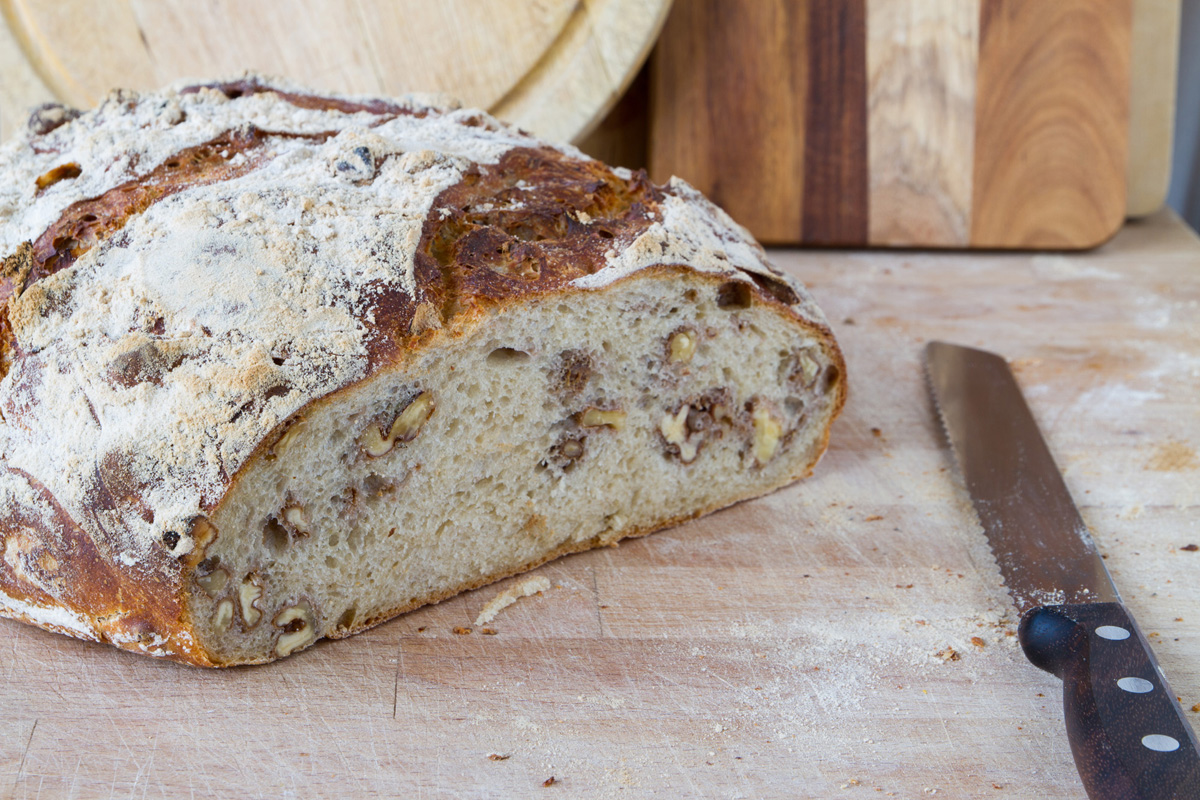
(101, 530)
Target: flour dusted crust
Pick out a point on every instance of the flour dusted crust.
(189, 273)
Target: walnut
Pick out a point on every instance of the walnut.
(203, 532)
(674, 429)
(404, 429)
(595, 418)
(372, 442)
(286, 440)
(572, 371)
(805, 368)
(565, 453)
(249, 593)
(682, 346)
(214, 582)
(700, 419)
(296, 518)
(285, 526)
(224, 615)
(767, 433)
(298, 628)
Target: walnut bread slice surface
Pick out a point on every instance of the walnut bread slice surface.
(277, 366)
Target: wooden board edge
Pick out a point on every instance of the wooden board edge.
(1155, 75)
(22, 88)
(592, 45)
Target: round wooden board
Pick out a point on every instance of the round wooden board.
(550, 66)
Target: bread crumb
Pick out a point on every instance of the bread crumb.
(978, 642)
(949, 654)
(531, 585)
(549, 781)
(461, 631)
(1191, 548)
(488, 631)
(499, 757)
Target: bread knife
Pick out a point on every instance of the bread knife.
(1128, 734)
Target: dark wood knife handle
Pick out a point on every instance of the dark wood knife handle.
(1127, 732)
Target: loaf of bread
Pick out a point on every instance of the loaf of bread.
(278, 366)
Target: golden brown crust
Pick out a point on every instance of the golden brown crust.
(50, 561)
(528, 225)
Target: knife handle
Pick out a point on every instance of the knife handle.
(1127, 732)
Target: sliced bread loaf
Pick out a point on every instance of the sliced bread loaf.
(279, 366)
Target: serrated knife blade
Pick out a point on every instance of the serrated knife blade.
(1128, 734)
(1044, 550)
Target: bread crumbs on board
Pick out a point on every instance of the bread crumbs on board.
(531, 585)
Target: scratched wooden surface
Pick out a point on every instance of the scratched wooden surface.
(787, 647)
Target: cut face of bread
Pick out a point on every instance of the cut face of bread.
(276, 367)
(555, 425)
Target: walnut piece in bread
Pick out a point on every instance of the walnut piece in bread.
(277, 367)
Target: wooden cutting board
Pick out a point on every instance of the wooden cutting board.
(1154, 76)
(943, 123)
(551, 66)
(847, 637)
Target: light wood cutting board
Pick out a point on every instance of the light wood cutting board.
(551, 66)
(1155, 74)
(847, 637)
(943, 123)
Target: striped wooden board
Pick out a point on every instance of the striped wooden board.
(931, 123)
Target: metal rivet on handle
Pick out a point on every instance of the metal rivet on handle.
(1161, 743)
(1112, 632)
(1136, 685)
